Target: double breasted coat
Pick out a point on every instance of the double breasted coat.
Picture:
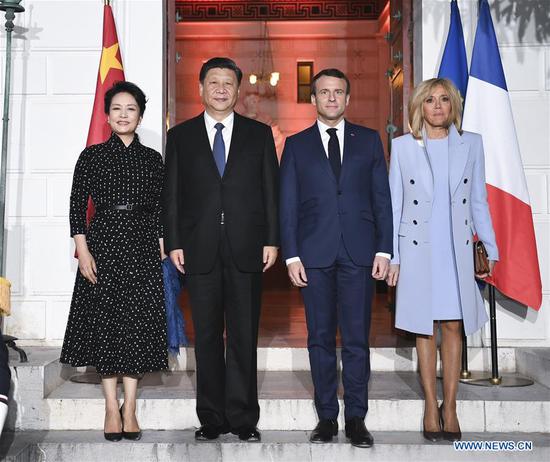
(412, 186)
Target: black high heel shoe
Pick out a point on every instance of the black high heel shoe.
(112, 436)
(449, 436)
(134, 436)
(433, 437)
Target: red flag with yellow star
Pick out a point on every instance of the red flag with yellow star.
(110, 71)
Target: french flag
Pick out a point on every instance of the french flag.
(454, 65)
(488, 112)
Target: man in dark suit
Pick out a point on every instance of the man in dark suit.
(221, 228)
(336, 235)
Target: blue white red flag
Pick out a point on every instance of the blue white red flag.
(488, 112)
(454, 65)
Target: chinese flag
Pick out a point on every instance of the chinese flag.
(110, 71)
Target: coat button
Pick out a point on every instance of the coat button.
(415, 222)
(466, 222)
(415, 202)
(465, 180)
(463, 201)
(339, 193)
(412, 181)
(468, 241)
(415, 243)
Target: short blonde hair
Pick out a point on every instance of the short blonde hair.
(423, 91)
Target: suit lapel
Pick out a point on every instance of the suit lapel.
(349, 149)
(458, 157)
(426, 172)
(319, 151)
(238, 138)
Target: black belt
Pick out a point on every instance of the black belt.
(125, 207)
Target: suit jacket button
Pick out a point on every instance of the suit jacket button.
(463, 201)
(415, 202)
(468, 241)
(415, 243)
(465, 180)
(412, 181)
(415, 222)
(465, 222)
(339, 193)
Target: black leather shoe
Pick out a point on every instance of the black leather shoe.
(250, 434)
(433, 437)
(324, 431)
(113, 436)
(449, 436)
(358, 434)
(208, 432)
(134, 436)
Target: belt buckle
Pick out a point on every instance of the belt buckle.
(129, 206)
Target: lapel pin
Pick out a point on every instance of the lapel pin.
(352, 134)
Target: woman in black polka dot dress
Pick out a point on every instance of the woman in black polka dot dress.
(117, 320)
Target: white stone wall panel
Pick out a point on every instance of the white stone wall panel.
(50, 258)
(27, 321)
(57, 133)
(73, 73)
(26, 197)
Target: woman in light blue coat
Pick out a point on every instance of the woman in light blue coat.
(439, 200)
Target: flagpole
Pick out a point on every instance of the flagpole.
(10, 7)
(464, 372)
(496, 379)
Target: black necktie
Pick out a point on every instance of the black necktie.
(334, 153)
(219, 148)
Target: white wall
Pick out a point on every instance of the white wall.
(56, 50)
(526, 64)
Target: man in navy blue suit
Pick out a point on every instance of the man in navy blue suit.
(336, 235)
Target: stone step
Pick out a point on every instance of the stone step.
(286, 359)
(280, 446)
(166, 401)
(534, 363)
(382, 359)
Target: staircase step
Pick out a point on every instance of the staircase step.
(167, 401)
(287, 359)
(534, 363)
(382, 359)
(280, 446)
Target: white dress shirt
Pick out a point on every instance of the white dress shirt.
(227, 130)
(325, 137)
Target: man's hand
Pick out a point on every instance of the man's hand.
(177, 259)
(270, 255)
(393, 275)
(380, 268)
(297, 274)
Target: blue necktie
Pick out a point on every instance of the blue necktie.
(334, 153)
(219, 148)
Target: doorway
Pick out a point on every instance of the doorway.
(292, 44)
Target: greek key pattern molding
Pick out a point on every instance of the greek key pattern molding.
(276, 10)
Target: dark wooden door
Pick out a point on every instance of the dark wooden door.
(400, 72)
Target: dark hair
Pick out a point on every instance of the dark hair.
(125, 87)
(220, 63)
(330, 73)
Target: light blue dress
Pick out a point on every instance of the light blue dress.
(445, 293)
